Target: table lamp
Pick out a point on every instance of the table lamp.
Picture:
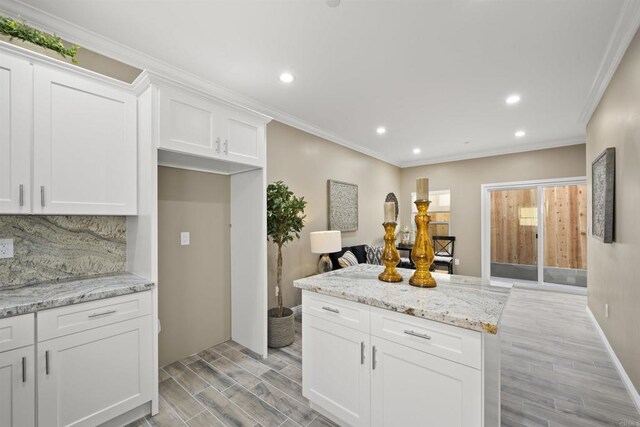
(325, 242)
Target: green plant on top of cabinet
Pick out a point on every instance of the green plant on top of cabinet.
(20, 30)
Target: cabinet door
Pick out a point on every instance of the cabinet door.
(336, 369)
(409, 387)
(15, 135)
(90, 377)
(189, 123)
(243, 138)
(17, 388)
(85, 154)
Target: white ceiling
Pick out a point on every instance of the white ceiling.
(434, 73)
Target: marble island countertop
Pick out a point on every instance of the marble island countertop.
(467, 302)
(32, 298)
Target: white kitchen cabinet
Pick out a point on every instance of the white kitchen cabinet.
(411, 371)
(17, 387)
(195, 124)
(68, 139)
(17, 373)
(409, 386)
(90, 377)
(243, 139)
(189, 123)
(336, 369)
(84, 145)
(15, 134)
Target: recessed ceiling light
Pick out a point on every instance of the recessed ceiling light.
(416, 151)
(381, 130)
(286, 77)
(520, 134)
(513, 99)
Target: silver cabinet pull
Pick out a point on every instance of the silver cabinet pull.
(362, 352)
(104, 313)
(226, 146)
(218, 145)
(46, 362)
(21, 195)
(416, 334)
(24, 369)
(333, 310)
(42, 196)
(373, 357)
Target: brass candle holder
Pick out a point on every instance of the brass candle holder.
(390, 256)
(422, 253)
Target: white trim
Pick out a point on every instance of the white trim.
(297, 309)
(485, 213)
(105, 46)
(623, 32)
(578, 140)
(633, 392)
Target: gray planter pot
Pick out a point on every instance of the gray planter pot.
(281, 330)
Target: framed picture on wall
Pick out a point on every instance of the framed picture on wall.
(603, 174)
(343, 205)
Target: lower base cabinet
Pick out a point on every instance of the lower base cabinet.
(409, 387)
(336, 374)
(93, 376)
(17, 387)
(364, 366)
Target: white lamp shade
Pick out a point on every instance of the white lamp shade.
(324, 242)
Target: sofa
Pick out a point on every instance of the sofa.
(365, 254)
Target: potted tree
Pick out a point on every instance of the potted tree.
(285, 219)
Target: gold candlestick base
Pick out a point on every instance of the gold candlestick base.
(390, 256)
(422, 253)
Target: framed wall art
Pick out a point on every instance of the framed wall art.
(343, 205)
(603, 176)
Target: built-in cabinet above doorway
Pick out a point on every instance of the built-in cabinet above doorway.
(194, 124)
(67, 139)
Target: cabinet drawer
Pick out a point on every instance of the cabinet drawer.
(80, 317)
(446, 341)
(343, 312)
(16, 332)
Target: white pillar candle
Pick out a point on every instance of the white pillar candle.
(422, 189)
(389, 212)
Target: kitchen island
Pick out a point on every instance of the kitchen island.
(387, 354)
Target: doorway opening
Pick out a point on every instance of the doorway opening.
(534, 233)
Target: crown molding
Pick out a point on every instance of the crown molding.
(497, 152)
(623, 32)
(105, 46)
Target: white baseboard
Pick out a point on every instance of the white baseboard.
(635, 396)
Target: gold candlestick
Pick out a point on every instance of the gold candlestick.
(422, 253)
(390, 256)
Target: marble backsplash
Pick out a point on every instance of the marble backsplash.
(62, 247)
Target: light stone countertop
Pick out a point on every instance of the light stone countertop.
(467, 302)
(32, 298)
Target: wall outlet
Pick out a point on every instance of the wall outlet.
(606, 311)
(6, 248)
(456, 261)
(184, 238)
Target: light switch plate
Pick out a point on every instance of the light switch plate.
(457, 261)
(184, 238)
(6, 248)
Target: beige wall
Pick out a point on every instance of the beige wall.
(613, 269)
(104, 65)
(464, 178)
(305, 163)
(194, 283)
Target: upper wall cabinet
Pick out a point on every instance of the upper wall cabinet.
(84, 145)
(68, 140)
(15, 135)
(196, 124)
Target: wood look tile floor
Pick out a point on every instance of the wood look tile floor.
(555, 372)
